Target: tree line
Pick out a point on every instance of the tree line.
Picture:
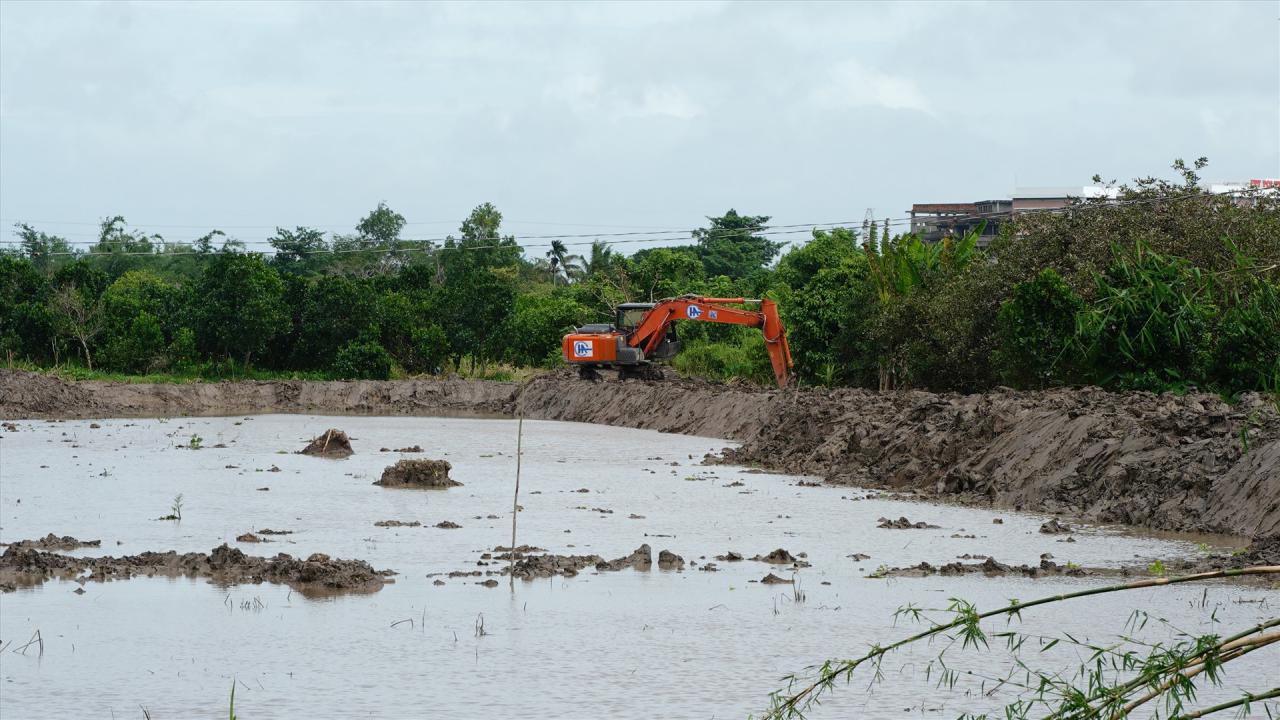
(1168, 288)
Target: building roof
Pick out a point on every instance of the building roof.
(943, 207)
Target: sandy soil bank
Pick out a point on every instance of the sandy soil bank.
(1189, 463)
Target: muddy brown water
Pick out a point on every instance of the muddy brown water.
(626, 644)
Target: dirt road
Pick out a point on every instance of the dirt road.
(1175, 463)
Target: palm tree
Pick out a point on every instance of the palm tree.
(563, 264)
(602, 258)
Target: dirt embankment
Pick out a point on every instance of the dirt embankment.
(1177, 463)
(25, 394)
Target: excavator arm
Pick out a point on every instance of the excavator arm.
(653, 328)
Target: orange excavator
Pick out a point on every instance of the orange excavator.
(645, 332)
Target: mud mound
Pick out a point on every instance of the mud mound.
(777, 557)
(993, 568)
(903, 523)
(545, 566)
(640, 559)
(418, 474)
(332, 443)
(53, 542)
(668, 560)
(1053, 527)
(317, 575)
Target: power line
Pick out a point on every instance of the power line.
(563, 236)
(788, 229)
(430, 249)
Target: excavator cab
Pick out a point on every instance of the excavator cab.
(630, 315)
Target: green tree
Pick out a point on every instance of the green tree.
(480, 246)
(119, 249)
(410, 333)
(133, 336)
(733, 245)
(26, 323)
(658, 273)
(562, 263)
(601, 260)
(301, 251)
(477, 274)
(362, 360)
(240, 306)
(46, 252)
(474, 311)
(78, 315)
(537, 325)
(335, 311)
(826, 249)
(829, 323)
(375, 247)
(1037, 328)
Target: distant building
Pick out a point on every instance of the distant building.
(935, 221)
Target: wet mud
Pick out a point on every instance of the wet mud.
(332, 443)
(318, 574)
(418, 474)
(55, 543)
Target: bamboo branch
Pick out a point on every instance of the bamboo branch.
(792, 703)
(1229, 651)
(1248, 698)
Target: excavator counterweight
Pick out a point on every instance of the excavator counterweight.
(645, 332)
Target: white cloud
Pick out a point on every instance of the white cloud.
(849, 83)
(587, 95)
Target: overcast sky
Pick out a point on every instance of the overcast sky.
(608, 117)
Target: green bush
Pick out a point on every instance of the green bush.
(139, 348)
(1246, 354)
(535, 328)
(746, 359)
(362, 361)
(1148, 326)
(1036, 329)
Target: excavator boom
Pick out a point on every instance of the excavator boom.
(611, 346)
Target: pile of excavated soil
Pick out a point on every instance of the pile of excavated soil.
(418, 474)
(332, 443)
(318, 574)
(1161, 461)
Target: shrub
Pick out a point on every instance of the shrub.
(1148, 328)
(362, 360)
(1246, 354)
(1036, 330)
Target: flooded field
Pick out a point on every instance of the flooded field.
(657, 643)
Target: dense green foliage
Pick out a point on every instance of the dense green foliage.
(1166, 289)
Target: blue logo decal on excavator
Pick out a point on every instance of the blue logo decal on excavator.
(693, 311)
(711, 314)
(582, 348)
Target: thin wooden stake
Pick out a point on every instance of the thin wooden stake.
(515, 501)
